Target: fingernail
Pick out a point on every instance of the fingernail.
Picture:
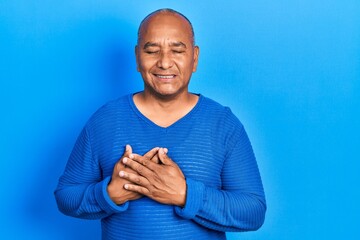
(161, 150)
(127, 147)
(126, 186)
(122, 173)
(125, 160)
(166, 150)
(131, 156)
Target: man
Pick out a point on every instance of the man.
(187, 171)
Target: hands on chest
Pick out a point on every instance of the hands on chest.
(153, 175)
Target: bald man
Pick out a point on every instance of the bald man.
(164, 163)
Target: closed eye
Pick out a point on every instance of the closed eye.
(151, 52)
(178, 51)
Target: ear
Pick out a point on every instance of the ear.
(137, 58)
(196, 57)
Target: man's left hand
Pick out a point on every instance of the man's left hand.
(164, 183)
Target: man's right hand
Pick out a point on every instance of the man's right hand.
(116, 189)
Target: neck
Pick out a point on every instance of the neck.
(167, 103)
(165, 110)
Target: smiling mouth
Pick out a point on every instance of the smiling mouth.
(171, 76)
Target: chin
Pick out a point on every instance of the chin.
(167, 90)
(168, 93)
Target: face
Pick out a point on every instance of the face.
(165, 55)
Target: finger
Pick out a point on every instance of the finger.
(155, 158)
(153, 152)
(164, 157)
(144, 161)
(134, 178)
(128, 150)
(138, 167)
(136, 188)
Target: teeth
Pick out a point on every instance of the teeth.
(165, 76)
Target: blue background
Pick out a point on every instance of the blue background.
(290, 70)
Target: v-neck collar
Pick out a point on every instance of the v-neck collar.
(151, 123)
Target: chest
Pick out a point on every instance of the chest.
(196, 150)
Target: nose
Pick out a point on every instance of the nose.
(165, 61)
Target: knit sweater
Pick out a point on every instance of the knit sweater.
(209, 144)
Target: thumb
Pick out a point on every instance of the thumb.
(164, 157)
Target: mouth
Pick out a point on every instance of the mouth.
(165, 77)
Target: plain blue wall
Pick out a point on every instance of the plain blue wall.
(290, 70)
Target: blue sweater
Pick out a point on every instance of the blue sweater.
(210, 145)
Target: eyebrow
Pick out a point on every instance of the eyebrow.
(150, 44)
(178, 44)
(172, 44)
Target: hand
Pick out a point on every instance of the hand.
(164, 183)
(116, 189)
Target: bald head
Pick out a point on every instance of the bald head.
(161, 13)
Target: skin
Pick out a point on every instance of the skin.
(166, 59)
(115, 189)
(164, 183)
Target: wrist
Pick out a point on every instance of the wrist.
(195, 192)
(113, 192)
(181, 199)
(103, 199)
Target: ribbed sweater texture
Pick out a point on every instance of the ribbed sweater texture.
(211, 147)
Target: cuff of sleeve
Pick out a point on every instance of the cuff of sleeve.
(104, 199)
(194, 199)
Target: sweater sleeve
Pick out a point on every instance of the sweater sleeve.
(240, 203)
(81, 191)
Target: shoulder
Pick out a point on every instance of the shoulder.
(110, 111)
(228, 127)
(220, 112)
